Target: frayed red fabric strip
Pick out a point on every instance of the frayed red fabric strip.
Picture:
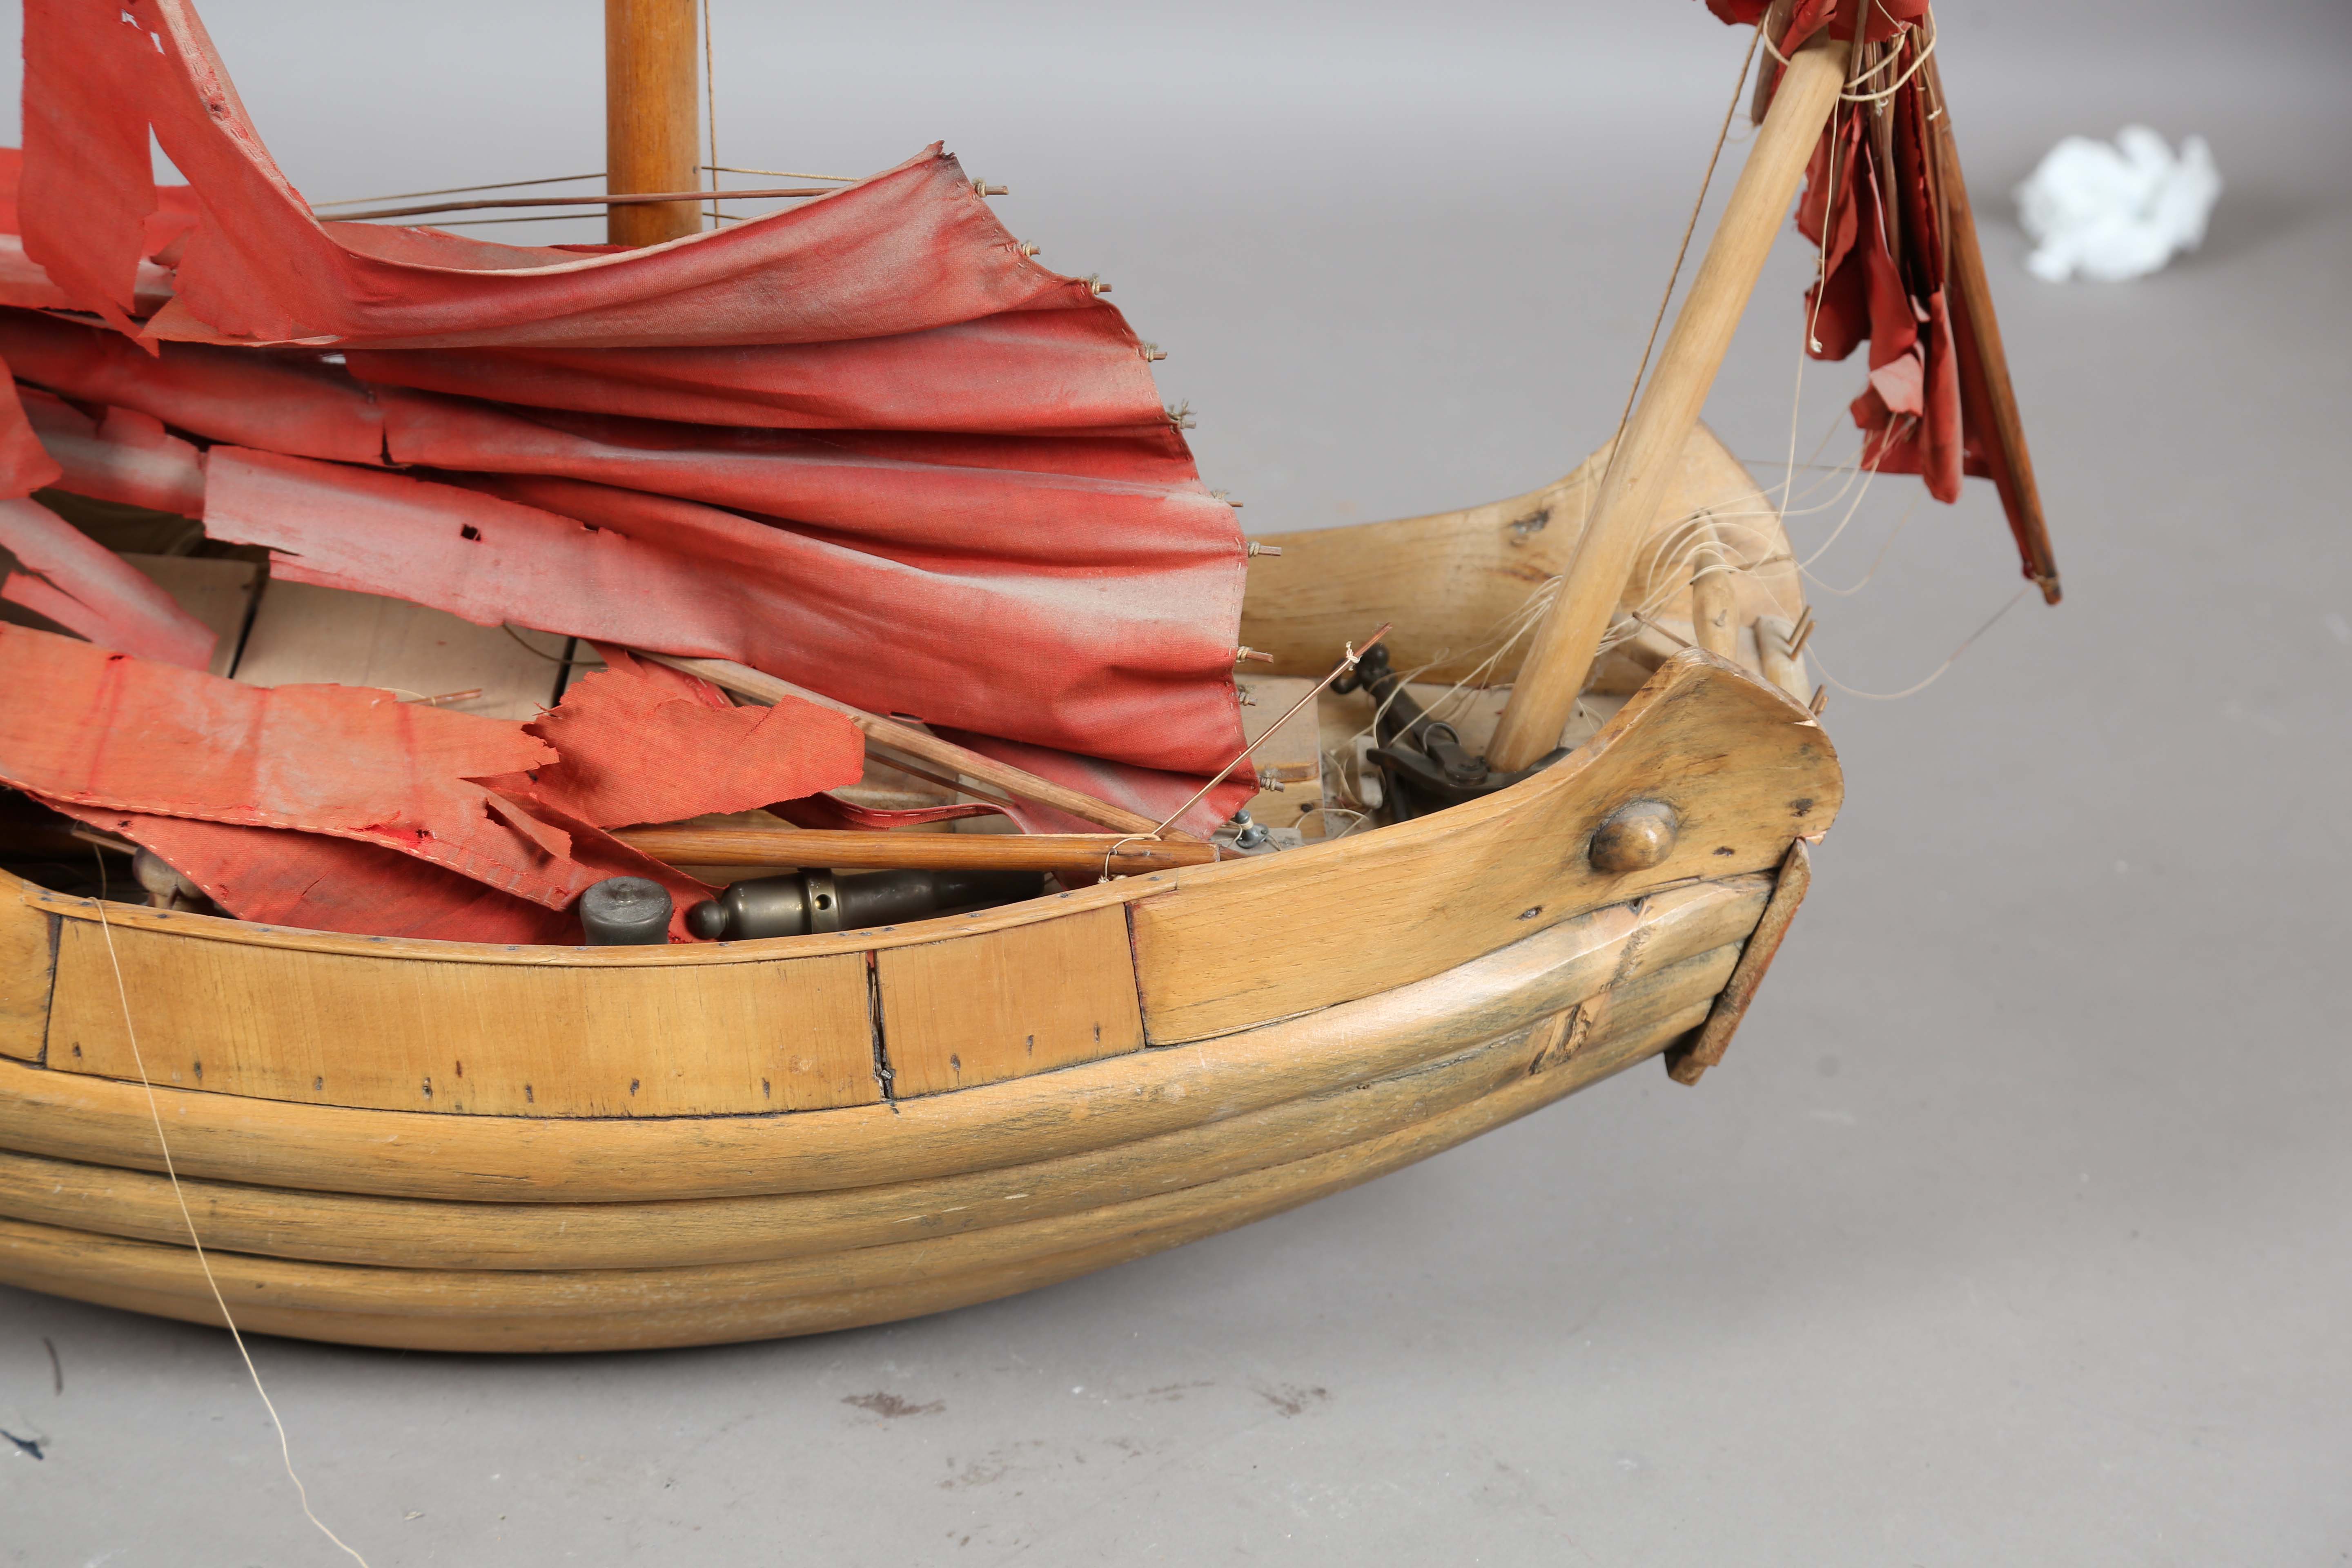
(25, 465)
(312, 882)
(1020, 373)
(123, 735)
(632, 751)
(1887, 18)
(1134, 666)
(285, 402)
(600, 854)
(138, 735)
(666, 679)
(127, 457)
(89, 182)
(1064, 506)
(79, 583)
(907, 250)
(825, 811)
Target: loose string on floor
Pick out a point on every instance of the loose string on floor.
(164, 1144)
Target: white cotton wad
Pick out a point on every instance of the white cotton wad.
(2108, 212)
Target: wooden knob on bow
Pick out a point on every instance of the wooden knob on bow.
(1635, 836)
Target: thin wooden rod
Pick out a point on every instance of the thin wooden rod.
(1983, 359)
(647, 197)
(468, 190)
(1091, 853)
(653, 141)
(779, 173)
(1642, 468)
(745, 681)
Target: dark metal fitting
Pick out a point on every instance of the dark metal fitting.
(625, 911)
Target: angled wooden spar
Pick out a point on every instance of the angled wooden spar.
(745, 681)
(651, 140)
(850, 850)
(1642, 471)
(1984, 361)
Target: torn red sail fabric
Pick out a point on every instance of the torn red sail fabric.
(1069, 506)
(809, 810)
(22, 281)
(24, 284)
(830, 812)
(909, 249)
(1020, 373)
(632, 749)
(312, 882)
(1806, 18)
(71, 579)
(1874, 190)
(1131, 665)
(600, 854)
(996, 526)
(1871, 191)
(26, 466)
(282, 402)
(138, 735)
(76, 163)
(126, 734)
(126, 457)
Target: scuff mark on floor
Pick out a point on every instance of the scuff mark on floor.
(1292, 1400)
(888, 1406)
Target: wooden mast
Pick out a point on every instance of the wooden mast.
(1642, 468)
(652, 139)
(1984, 361)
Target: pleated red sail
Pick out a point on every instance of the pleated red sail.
(864, 444)
(1880, 204)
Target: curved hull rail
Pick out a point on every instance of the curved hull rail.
(339, 1200)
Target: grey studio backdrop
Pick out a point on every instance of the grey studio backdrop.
(2015, 1229)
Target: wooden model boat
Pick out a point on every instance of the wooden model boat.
(482, 1146)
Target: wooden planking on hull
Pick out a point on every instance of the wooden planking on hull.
(1090, 1107)
(279, 1024)
(428, 1233)
(28, 939)
(1745, 767)
(479, 1311)
(981, 1009)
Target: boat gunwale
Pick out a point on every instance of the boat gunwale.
(1110, 1102)
(1306, 861)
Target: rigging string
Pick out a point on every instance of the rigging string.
(1747, 62)
(1939, 671)
(285, 1451)
(459, 190)
(1821, 265)
(1549, 591)
(710, 106)
(1875, 562)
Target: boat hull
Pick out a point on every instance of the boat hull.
(582, 1149)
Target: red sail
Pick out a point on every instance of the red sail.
(866, 442)
(1884, 202)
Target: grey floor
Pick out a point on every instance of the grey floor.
(2015, 1230)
